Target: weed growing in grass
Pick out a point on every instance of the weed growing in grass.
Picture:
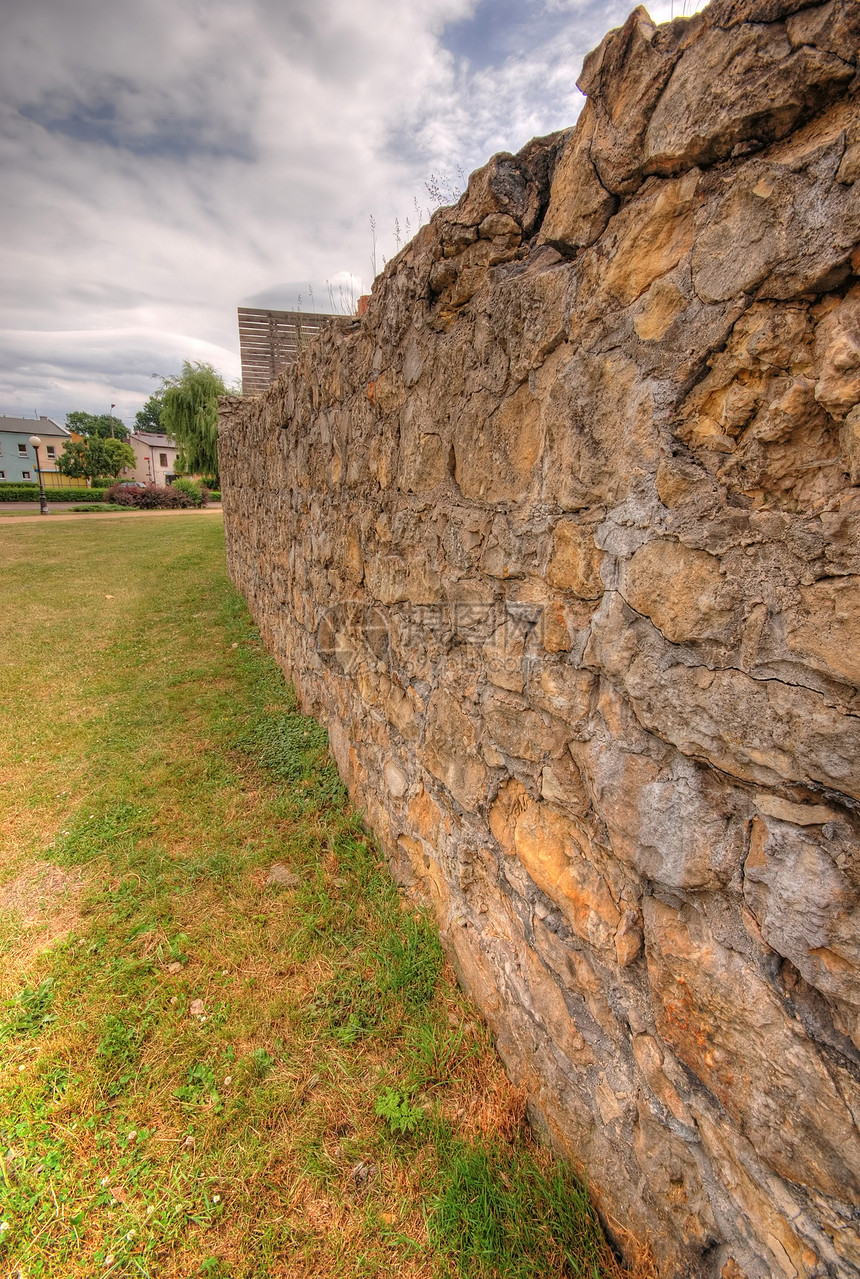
(30, 1012)
(263, 1063)
(200, 1087)
(396, 1108)
(120, 1044)
(335, 1083)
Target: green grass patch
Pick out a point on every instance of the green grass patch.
(207, 1069)
(100, 508)
(505, 1218)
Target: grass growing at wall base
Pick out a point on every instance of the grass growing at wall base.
(332, 1105)
(512, 1218)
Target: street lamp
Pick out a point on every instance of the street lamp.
(43, 501)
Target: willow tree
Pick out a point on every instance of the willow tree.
(189, 414)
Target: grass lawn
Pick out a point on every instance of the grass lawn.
(203, 1072)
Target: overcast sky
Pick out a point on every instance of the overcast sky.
(165, 161)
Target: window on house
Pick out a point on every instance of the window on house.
(162, 459)
(25, 475)
(22, 449)
(52, 452)
(2, 475)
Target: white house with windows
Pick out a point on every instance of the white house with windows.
(17, 456)
(155, 458)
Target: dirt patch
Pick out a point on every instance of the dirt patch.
(44, 903)
(37, 891)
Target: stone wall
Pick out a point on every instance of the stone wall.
(560, 540)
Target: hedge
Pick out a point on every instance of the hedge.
(76, 495)
(12, 491)
(20, 492)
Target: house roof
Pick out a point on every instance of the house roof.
(153, 440)
(32, 426)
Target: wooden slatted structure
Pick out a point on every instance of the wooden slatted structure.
(269, 342)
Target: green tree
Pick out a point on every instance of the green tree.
(81, 459)
(103, 425)
(120, 457)
(95, 456)
(149, 417)
(190, 416)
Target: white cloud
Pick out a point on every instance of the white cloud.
(167, 160)
(41, 367)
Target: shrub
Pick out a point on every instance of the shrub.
(195, 491)
(151, 498)
(119, 496)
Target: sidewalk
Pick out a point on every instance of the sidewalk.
(65, 513)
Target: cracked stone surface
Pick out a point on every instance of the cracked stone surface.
(561, 541)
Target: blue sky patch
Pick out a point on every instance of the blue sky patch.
(100, 123)
(500, 29)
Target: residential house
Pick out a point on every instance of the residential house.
(18, 457)
(155, 458)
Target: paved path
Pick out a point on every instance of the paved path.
(99, 515)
